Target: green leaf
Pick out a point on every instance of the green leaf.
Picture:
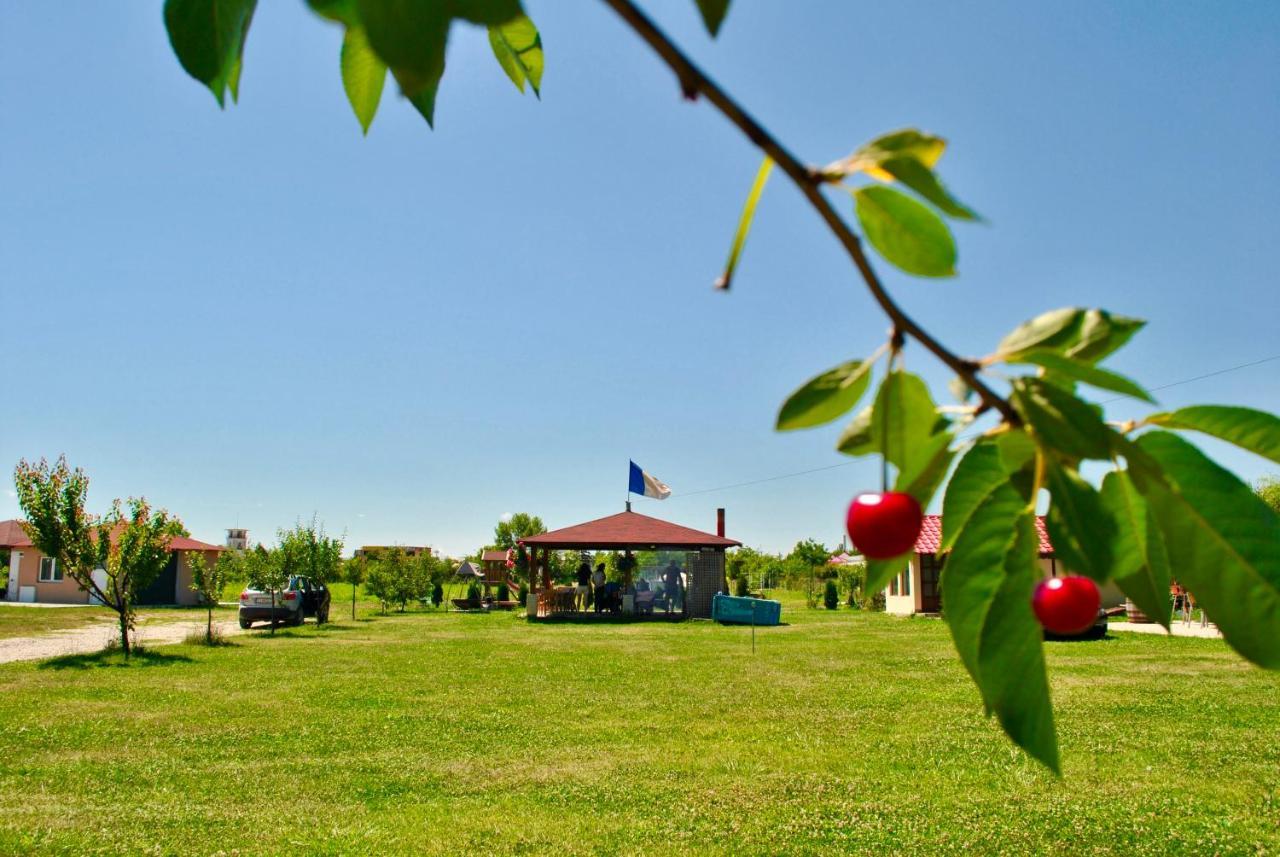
(1085, 373)
(518, 48)
(410, 37)
(856, 439)
(928, 469)
(986, 589)
(1256, 431)
(907, 233)
(744, 222)
(1079, 524)
(1223, 544)
(1102, 333)
(342, 11)
(208, 38)
(905, 421)
(1059, 421)
(908, 143)
(1084, 335)
(982, 470)
(713, 12)
(1140, 563)
(921, 179)
(489, 13)
(363, 76)
(825, 397)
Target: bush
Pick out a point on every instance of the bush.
(473, 592)
(437, 594)
(831, 596)
(524, 593)
(504, 592)
(740, 587)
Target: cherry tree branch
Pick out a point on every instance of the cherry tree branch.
(694, 82)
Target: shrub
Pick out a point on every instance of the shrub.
(504, 592)
(524, 593)
(473, 592)
(740, 587)
(830, 596)
(437, 594)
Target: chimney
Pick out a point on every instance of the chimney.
(720, 522)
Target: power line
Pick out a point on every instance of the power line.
(1213, 374)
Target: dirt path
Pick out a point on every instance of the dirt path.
(1177, 629)
(94, 638)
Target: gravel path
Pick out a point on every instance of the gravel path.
(84, 641)
(1177, 629)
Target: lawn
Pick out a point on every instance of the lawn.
(451, 733)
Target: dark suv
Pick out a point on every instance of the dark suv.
(301, 598)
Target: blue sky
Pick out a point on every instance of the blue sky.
(253, 315)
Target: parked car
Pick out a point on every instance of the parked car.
(303, 597)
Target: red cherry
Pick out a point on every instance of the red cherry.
(1066, 605)
(883, 526)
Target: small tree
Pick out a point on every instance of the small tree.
(379, 582)
(437, 594)
(740, 586)
(131, 549)
(267, 571)
(354, 572)
(313, 553)
(508, 532)
(830, 596)
(208, 580)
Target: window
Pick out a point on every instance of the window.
(893, 585)
(906, 581)
(49, 571)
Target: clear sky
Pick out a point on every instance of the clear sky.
(255, 315)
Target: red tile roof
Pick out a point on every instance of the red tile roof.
(629, 530)
(931, 535)
(13, 536)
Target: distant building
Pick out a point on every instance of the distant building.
(237, 539)
(372, 551)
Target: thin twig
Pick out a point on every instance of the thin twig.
(693, 82)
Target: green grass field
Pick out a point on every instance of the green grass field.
(449, 733)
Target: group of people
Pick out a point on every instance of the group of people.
(596, 590)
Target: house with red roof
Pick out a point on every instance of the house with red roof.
(918, 588)
(34, 577)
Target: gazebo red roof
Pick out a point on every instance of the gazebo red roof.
(628, 531)
(931, 535)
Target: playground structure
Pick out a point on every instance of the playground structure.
(493, 571)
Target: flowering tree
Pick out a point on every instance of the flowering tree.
(1023, 425)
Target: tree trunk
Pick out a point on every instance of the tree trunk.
(124, 632)
(208, 631)
(353, 601)
(273, 612)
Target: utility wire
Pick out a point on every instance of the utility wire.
(1213, 374)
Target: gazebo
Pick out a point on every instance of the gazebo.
(630, 531)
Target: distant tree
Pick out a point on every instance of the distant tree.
(521, 525)
(1268, 488)
(354, 572)
(378, 582)
(207, 581)
(130, 548)
(810, 552)
(740, 586)
(830, 596)
(310, 552)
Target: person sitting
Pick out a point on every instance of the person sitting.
(583, 592)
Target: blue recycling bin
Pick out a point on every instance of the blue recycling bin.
(745, 611)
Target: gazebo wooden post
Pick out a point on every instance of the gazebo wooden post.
(626, 576)
(546, 568)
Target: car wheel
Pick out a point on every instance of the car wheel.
(245, 624)
(299, 618)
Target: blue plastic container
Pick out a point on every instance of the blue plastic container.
(745, 611)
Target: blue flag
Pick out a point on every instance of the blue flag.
(645, 485)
